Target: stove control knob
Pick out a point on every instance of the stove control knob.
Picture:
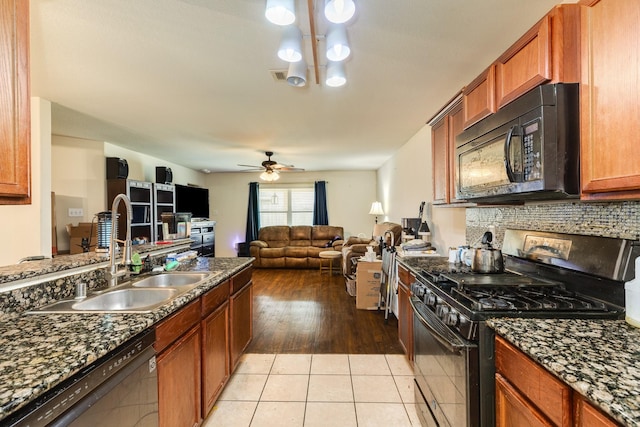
(452, 319)
(429, 298)
(442, 311)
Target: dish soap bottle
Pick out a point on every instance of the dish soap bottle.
(632, 298)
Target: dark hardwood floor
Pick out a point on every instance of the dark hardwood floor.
(299, 311)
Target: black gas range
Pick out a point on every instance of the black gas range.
(548, 275)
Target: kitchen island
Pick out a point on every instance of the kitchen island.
(40, 351)
(599, 359)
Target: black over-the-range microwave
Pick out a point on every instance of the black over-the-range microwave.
(529, 149)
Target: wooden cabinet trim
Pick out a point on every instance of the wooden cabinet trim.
(587, 415)
(440, 158)
(240, 279)
(549, 394)
(176, 325)
(15, 124)
(513, 409)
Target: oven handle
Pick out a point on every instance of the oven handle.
(454, 347)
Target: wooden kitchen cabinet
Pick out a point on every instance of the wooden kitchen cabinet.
(586, 415)
(178, 345)
(15, 122)
(241, 315)
(479, 97)
(609, 100)
(445, 126)
(526, 393)
(548, 53)
(405, 312)
(215, 344)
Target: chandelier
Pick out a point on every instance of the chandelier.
(337, 49)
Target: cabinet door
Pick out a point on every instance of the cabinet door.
(479, 97)
(405, 320)
(526, 64)
(609, 100)
(179, 382)
(15, 122)
(456, 125)
(586, 415)
(439, 144)
(215, 356)
(241, 312)
(513, 410)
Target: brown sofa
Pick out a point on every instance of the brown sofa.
(299, 246)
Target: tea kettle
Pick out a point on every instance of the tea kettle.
(486, 259)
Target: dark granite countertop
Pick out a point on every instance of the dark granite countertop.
(600, 359)
(39, 351)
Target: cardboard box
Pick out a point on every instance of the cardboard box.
(79, 232)
(368, 275)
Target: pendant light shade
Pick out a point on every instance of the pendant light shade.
(269, 176)
(337, 44)
(280, 12)
(339, 11)
(335, 74)
(297, 74)
(291, 45)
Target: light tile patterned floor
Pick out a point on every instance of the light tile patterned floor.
(319, 390)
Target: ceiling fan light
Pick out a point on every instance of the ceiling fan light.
(291, 45)
(269, 176)
(339, 11)
(297, 74)
(337, 44)
(280, 12)
(335, 74)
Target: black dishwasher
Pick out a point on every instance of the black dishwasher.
(120, 389)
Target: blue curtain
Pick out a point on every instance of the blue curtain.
(253, 214)
(320, 215)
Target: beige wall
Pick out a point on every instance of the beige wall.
(405, 180)
(26, 229)
(349, 198)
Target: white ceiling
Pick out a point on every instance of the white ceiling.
(189, 80)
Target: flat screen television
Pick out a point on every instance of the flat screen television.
(192, 199)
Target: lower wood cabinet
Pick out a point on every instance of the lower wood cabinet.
(179, 381)
(215, 356)
(405, 312)
(529, 395)
(241, 322)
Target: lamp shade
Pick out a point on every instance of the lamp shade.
(269, 176)
(335, 74)
(291, 45)
(339, 11)
(337, 45)
(297, 74)
(376, 209)
(280, 12)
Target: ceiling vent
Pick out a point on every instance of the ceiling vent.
(279, 75)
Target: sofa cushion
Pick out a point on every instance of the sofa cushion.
(300, 232)
(323, 234)
(277, 236)
(272, 252)
(296, 252)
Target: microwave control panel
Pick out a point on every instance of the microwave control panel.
(531, 152)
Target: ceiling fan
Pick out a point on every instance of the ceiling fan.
(270, 168)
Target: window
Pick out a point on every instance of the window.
(286, 206)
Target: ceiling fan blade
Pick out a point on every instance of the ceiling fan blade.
(251, 166)
(288, 169)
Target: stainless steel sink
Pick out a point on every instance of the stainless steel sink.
(137, 296)
(170, 280)
(126, 299)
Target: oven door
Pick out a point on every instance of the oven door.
(446, 372)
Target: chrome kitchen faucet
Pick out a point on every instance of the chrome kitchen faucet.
(114, 272)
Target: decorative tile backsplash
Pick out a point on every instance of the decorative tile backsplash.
(608, 219)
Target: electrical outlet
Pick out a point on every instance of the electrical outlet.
(76, 212)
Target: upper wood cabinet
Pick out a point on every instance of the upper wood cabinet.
(479, 97)
(610, 100)
(445, 126)
(15, 121)
(547, 53)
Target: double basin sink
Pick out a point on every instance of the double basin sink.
(137, 296)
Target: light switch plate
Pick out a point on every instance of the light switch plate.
(76, 212)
